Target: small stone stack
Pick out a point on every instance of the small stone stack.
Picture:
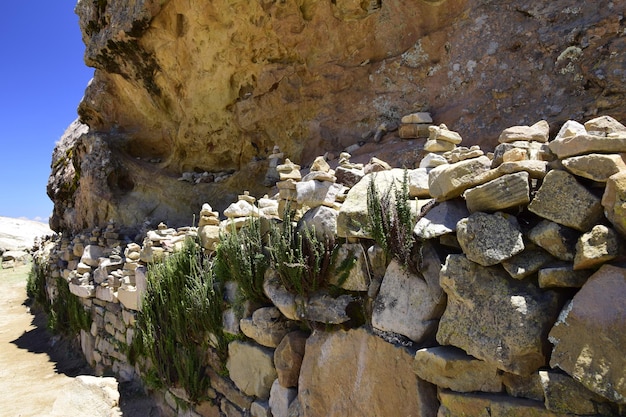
(415, 125)
(318, 187)
(289, 175)
(238, 213)
(348, 173)
(441, 139)
(275, 159)
(209, 227)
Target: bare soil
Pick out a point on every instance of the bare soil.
(37, 368)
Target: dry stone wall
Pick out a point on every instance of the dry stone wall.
(516, 308)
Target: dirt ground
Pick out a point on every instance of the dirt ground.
(37, 370)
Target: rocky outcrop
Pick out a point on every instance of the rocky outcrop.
(208, 90)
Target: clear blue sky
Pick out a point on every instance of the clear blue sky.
(42, 80)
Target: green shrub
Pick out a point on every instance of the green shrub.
(392, 222)
(241, 257)
(181, 311)
(36, 285)
(301, 260)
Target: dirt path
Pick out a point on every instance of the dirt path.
(37, 371)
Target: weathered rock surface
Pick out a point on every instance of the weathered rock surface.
(508, 191)
(405, 305)
(589, 336)
(565, 395)
(599, 245)
(449, 181)
(450, 367)
(597, 167)
(288, 358)
(360, 374)
(559, 241)
(489, 239)
(614, 201)
(485, 309)
(267, 326)
(251, 368)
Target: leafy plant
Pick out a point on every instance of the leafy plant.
(181, 312)
(301, 260)
(392, 221)
(241, 257)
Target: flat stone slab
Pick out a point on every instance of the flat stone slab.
(508, 191)
(441, 219)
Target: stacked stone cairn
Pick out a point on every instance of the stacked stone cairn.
(415, 125)
(517, 308)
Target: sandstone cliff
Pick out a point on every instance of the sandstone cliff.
(184, 86)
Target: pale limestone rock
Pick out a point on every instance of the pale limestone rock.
(289, 171)
(374, 379)
(449, 181)
(533, 151)
(614, 201)
(450, 367)
(562, 275)
(290, 305)
(377, 261)
(557, 240)
(356, 278)
(587, 143)
(313, 193)
(209, 236)
(596, 247)
(353, 220)
(129, 298)
(102, 392)
(441, 219)
(442, 133)
(241, 208)
(596, 167)
(430, 268)
(320, 165)
(432, 160)
(565, 395)
(514, 155)
(280, 399)
(500, 306)
(321, 219)
(527, 262)
(462, 153)
(537, 133)
(590, 335)
(405, 305)
(563, 200)
(570, 128)
(267, 326)
(489, 239)
(432, 145)
(455, 404)
(418, 183)
(81, 268)
(288, 358)
(91, 255)
(508, 191)
(376, 165)
(82, 291)
(419, 117)
(604, 126)
(107, 294)
(251, 368)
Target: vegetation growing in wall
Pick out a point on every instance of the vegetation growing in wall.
(180, 318)
(301, 260)
(242, 257)
(66, 314)
(392, 222)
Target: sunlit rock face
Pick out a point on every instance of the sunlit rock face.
(190, 85)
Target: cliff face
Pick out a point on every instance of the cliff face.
(186, 85)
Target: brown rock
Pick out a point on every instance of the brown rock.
(288, 358)
(526, 386)
(590, 335)
(413, 131)
(562, 276)
(595, 247)
(449, 367)
(354, 373)
(565, 395)
(486, 308)
(489, 405)
(563, 200)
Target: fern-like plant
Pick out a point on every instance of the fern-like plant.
(392, 221)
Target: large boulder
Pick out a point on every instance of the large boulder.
(590, 335)
(251, 367)
(354, 373)
(486, 308)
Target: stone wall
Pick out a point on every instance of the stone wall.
(515, 309)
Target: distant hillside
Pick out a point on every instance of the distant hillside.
(20, 233)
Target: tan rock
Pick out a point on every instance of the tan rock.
(559, 241)
(590, 335)
(441, 219)
(569, 129)
(450, 367)
(288, 358)
(614, 201)
(267, 326)
(534, 151)
(374, 379)
(442, 133)
(597, 167)
(512, 190)
(464, 405)
(350, 269)
(515, 154)
(527, 262)
(251, 368)
(563, 200)
(565, 395)
(537, 132)
(595, 247)
(449, 181)
(562, 275)
(526, 386)
(419, 117)
(413, 131)
(587, 143)
(604, 126)
(432, 145)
